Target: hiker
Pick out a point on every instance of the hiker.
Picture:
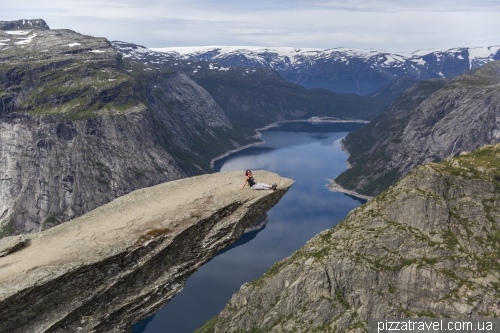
(254, 185)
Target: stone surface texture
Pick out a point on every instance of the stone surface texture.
(11, 244)
(430, 121)
(426, 247)
(123, 261)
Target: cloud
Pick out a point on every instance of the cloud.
(388, 24)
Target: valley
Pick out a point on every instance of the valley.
(93, 132)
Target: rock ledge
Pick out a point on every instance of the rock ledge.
(121, 262)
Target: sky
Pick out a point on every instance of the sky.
(392, 25)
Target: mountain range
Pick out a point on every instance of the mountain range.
(344, 70)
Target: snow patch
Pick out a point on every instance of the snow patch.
(97, 51)
(26, 40)
(418, 61)
(479, 56)
(74, 44)
(18, 32)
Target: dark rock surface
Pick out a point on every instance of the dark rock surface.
(393, 89)
(121, 262)
(430, 121)
(24, 24)
(426, 247)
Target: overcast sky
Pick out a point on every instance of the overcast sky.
(393, 25)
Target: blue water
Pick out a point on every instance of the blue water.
(309, 154)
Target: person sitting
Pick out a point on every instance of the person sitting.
(254, 185)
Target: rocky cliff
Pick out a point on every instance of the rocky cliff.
(121, 262)
(430, 121)
(78, 129)
(426, 247)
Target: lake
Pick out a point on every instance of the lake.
(308, 153)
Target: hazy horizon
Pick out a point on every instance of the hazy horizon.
(386, 25)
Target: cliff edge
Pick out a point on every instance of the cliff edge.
(121, 262)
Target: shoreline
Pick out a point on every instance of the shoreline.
(258, 134)
(335, 187)
(344, 149)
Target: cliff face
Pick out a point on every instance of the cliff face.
(78, 129)
(426, 247)
(123, 261)
(431, 121)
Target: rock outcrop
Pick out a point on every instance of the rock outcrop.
(78, 129)
(426, 247)
(121, 262)
(24, 24)
(430, 121)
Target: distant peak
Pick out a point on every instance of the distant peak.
(24, 24)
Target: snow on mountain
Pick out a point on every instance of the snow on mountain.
(344, 70)
(477, 56)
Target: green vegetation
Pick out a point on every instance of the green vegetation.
(7, 227)
(208, 327)
(50, 219)
(71, 86)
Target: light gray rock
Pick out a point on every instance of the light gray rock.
(121, 262)
(11, 244)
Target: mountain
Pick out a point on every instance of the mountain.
(341, 70)
(427, 247)
(431, 121)
(255, 97)
(78, 129)
(393, 89)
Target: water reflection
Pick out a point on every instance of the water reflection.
(249, 234)
(310, 158)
